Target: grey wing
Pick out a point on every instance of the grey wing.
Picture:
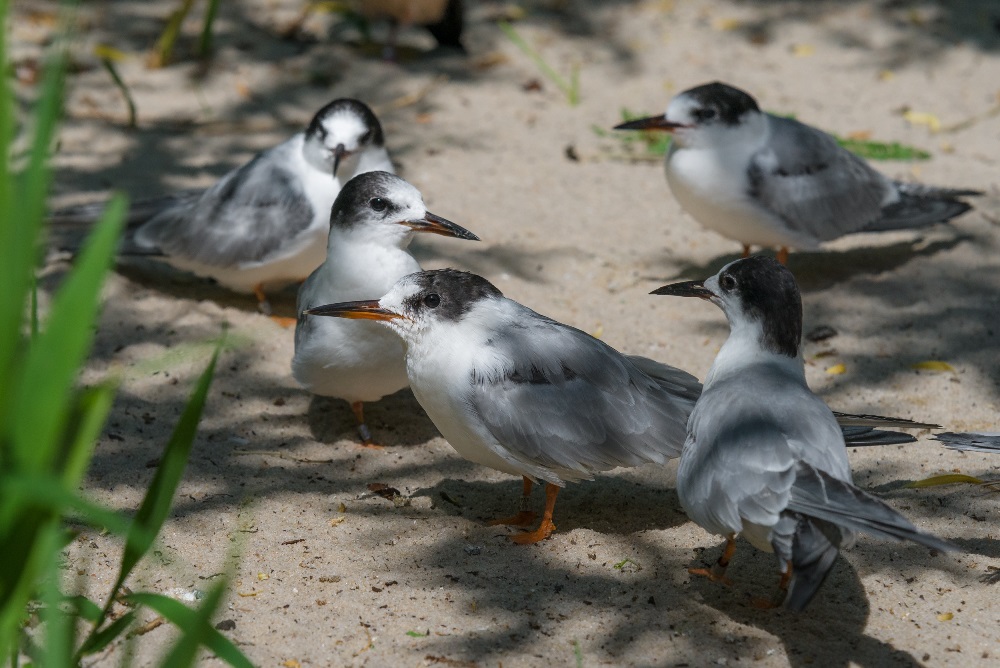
(744, 452)
(812, 184)
(880, 421)
(559, 399)
(249, 216)
(824, 497)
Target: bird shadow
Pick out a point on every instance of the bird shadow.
(829, 633)
(822, 269)
(397, 419)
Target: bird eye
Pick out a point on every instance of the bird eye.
(378, 204)
(704, 114)
(365, 138)
(432, 300)
(727, 282)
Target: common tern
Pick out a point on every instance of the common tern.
(524, 394)
(764, 456)
(371, 225)
(264, 223)
(772, 181)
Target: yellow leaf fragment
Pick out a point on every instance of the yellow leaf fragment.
(933, 365)
(885, 75)
(803, 50)
(247, 594)
(105, 52)
(291, 663)
(726, 25)
(945, 479)
(836, 369)
(337, 520)
(932, 122)
(263, 576)
(945, 617)
(341, 508)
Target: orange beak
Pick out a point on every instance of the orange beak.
(364, 310)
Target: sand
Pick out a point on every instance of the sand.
(327, 573)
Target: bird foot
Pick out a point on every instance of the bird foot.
(762, 603)
(543, 531)
(522, 519)
(366, 438)
(714, 574)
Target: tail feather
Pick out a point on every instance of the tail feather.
(863, 420)
(139, 211)
(971, 441)
(920, 206)
(819, 495)
(813, 555)
(679, 383)
(856, 437)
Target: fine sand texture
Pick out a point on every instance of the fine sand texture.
(328, 573)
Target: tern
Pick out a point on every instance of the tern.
(264, 223)
(521, 393)
(526, 395)
(764, 456)
(371, 225)
(772, 181)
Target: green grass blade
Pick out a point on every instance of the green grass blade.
(205, 42)
(570, 90)
(41, 403)
(91, 410)
(112, 71)
(197, 628)
(101, 639)
(876, 150)
(31, 492)
(60, 628)
(159, 497)
(164, 49)
(84, 608)
(22, 205)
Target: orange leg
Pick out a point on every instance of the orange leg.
(782, 255)
(366, 436)
(524, 517)
(746, 251)
(264, 306)
(717, 573)
(546, 528)
(770, 604)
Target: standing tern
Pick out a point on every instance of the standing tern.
(523, 394)
(764, 456)
(771, 181)
(372, 223)
(264, 223)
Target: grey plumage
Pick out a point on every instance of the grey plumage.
(764, 456)
(568, 405)
(971, 441)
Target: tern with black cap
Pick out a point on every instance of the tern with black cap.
(764, 456)
(524, 394)
(766, 180)
(264, 223)
(371, 225)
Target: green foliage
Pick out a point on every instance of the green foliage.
(876, 150)
(49, 426)
(636, 145)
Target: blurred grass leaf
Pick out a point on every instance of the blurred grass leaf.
(946, 479)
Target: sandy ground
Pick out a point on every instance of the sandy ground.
(327, 573)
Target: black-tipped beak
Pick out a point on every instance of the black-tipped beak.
(438, 225)
(685, 289)
(338, 154)
(650, 123)
(364, 310)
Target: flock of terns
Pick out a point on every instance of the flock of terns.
(760, 455)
